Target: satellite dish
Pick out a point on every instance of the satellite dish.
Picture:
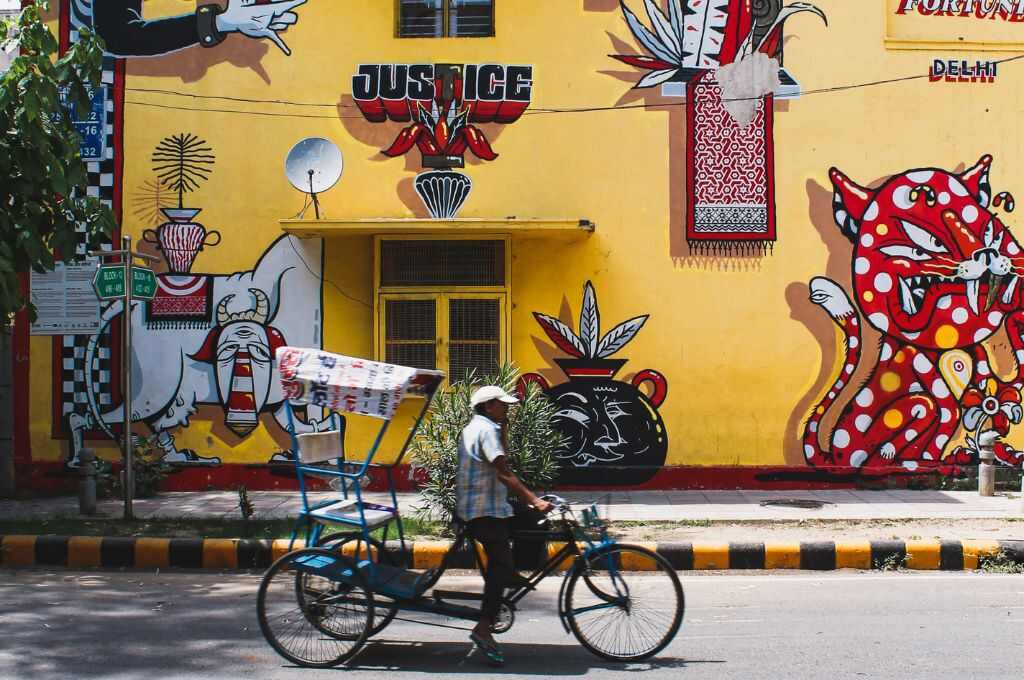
(313, 166)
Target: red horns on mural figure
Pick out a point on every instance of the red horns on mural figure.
(856, 198)
(975, 179)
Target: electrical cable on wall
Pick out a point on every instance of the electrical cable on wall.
(532, 111)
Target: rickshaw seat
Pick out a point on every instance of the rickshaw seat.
(346, 511)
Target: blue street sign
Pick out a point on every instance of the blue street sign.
(91, 124)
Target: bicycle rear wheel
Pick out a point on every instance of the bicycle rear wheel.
(354, 545)
(624, 615)
(311, 620)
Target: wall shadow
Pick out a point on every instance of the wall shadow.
(838, 267)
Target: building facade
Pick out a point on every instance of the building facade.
(736, 244)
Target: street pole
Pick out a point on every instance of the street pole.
(127, 272)
(126, 349)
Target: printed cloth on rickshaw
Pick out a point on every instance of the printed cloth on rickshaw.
(341, 383)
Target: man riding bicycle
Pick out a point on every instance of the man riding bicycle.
(482, 488)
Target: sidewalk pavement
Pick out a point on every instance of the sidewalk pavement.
(665, 506)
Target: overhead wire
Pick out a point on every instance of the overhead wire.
(531, 111)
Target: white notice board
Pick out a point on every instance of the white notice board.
(66, 303)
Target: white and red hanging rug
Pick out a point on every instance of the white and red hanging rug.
(341, 383)
(731, 175)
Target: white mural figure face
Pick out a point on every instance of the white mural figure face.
(242, 348)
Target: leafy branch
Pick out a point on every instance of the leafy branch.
(182, 162)
(589, 344)
(43, 190)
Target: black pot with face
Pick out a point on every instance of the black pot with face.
(616, 435)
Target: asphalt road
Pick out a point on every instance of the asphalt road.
(104, 625)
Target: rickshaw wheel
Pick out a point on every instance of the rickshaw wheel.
(312, 620)
(384, 607)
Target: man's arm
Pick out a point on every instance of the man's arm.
(512, 482)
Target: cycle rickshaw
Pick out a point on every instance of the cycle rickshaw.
(318, 606)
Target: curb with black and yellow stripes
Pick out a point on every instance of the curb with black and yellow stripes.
(224, 554)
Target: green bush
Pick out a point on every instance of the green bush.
(150, 471)
(532, 440)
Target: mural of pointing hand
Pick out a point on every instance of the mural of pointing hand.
(260, 19)
(127, 34)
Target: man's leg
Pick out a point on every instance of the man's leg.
(492, 533)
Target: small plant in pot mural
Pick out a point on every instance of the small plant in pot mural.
(614, 432)
(182, 163)
(533, 440)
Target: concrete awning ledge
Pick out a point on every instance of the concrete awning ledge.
(557, 229)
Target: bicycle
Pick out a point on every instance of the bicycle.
(333, 598)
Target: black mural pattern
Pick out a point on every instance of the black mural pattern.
(615, 433)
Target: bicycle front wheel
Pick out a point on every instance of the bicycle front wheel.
(624, 615)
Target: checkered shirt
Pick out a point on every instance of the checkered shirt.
(478, 491)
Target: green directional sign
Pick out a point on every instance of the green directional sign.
(109, 282)
(143, 283)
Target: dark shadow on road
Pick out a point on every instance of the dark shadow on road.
(452, 658)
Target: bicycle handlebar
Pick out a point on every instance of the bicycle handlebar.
(561, 505)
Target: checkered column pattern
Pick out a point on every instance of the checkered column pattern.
(73, 396)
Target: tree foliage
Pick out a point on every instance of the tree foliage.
(532, 440)
(42, 195)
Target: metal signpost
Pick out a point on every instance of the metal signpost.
(109, 283)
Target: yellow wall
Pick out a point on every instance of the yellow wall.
(739, 342)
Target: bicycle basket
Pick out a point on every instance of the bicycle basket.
(593, 518)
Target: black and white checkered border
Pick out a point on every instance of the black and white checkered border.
(71, 374)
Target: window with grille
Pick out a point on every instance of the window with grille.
(445, 18)
(460, 334)
(442, 263)
(474, 333)
(441, 304)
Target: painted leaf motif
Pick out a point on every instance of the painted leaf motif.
(675, 9)
(663, 28)
(590, 320)
(646, 38)
(704, 32)
(618, 337)
(642, 61)
(561, 335)
(655, 78)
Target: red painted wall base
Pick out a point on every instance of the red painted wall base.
(52, 478)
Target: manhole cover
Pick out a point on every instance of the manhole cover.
(804, 503)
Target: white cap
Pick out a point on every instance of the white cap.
(486, 394)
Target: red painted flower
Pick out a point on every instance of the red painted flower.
(442, 133)
(1003, 407)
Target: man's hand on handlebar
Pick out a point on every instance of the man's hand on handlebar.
(543, 506)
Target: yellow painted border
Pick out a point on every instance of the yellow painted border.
(975, 550)
(428, 554)
(710, 555)
(84, 551)
(923, 554)
(152, 553)
(853, 555)
(18, 551)
(782, 555)
(220, 553)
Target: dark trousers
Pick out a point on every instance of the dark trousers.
(493, 534)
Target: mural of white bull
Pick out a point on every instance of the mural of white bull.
(226, 358)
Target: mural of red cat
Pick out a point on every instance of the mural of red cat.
(936, 271)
